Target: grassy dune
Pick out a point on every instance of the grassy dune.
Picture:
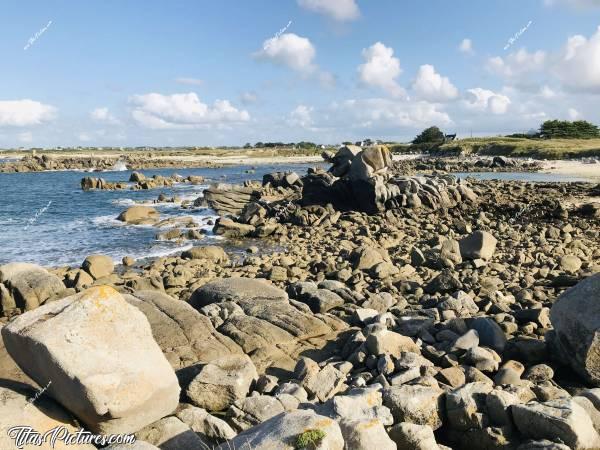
(520, 147)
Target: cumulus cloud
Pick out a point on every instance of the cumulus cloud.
(518, 63)
(578, 66)
(340, 10)
(289, 50)
(430, 85)
(466, 46)
(103, 115)
(182, 111)
(301, 116)
(381, 68)
(380, 112)
(487, 101)
(22, 113)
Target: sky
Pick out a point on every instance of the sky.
(227, 72)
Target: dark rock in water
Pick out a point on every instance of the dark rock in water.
(281, 179)
(230, 199)
(575, 317)
(136, 177)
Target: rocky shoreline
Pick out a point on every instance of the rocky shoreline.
(381, 310)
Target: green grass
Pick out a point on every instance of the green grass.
(310, 439)
(519, 147)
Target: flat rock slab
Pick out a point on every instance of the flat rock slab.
(97, 354)
(184, 335)
(22, 406)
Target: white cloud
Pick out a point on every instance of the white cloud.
(103, 115)
(190, 81)
(289, 50)
(517, 64)
(573, 114)
(547, 92)
(487, 101)
(381, 69)
(431, 86)
(301, 116)
(84, 137)
(25, 137)
(579, 64)
(380, 112)
(181, 111)
(22, 113)
(340, 10)
(466, 46)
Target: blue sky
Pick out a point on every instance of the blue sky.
(128, 73)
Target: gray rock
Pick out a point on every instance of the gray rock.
(576, 319)
(98, 266)
(209, 427)
(283, 431)
(171, 433)
(365, 435)
(23, 406)
(29, 285)
(465, 406)
(222, 382)
(490, 333)
(236, 289)
(478, 245)
(98, 354)
(422, 405)
(562, 420)
(410, 436)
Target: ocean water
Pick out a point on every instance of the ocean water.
(45, 217)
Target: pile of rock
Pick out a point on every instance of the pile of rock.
(364, 180)
(228, 199)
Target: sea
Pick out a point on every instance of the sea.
(47, 219)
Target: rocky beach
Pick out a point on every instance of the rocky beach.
(377, 304)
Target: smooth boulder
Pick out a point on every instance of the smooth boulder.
(139, 215)
(100, 357)
(98, 266)
(575, 317)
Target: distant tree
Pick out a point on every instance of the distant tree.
(579, 129)
(346, 143)
(429, 135)
(247, 145)
(259, 145)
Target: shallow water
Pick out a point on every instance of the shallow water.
(46, 218)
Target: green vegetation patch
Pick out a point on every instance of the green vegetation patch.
(310, 439)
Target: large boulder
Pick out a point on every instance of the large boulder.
(229, 199)
(28, 285)
(372, 161)
(222, 382)
(232, 229)
(236, 290)
(23, 407)
(290, 430)
(478, 245)
(561, 420)
(575, 317)
(139, 215)
(184, 335)
(96, 354)
(98, 266)
(211, 252)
